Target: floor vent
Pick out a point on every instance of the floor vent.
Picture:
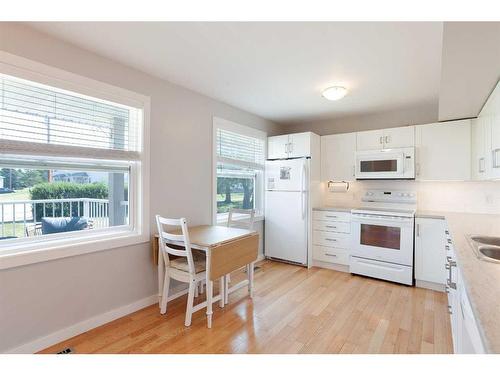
(66, 351)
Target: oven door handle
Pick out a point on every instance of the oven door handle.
(379, 218)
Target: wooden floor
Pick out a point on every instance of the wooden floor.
(295, 310)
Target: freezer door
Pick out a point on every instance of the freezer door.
(286, 226)
(287, 175)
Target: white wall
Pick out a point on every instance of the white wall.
(38, 299)
(467, 196)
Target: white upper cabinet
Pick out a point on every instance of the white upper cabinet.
(386, 138)
(444, 151)
(481, 158)
(277, 147)
(338, 157)
(430, 252)
(289, 146)
(299, 145)
(492, 118)
(399, 137)
(370, 140)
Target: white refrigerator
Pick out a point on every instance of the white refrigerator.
(287, 210)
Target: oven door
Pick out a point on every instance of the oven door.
(383, 238)
(380, 165)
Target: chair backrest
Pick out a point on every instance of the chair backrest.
(181, 239)
(34, 229)
(244, 218)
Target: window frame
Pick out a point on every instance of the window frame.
(35, 250)
(220, 123)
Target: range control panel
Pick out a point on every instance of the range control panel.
(392, 196)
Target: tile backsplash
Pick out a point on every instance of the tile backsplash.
(457, 196)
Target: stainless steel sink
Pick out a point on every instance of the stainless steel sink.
(485, 240)
(487, 248)
(490, 252)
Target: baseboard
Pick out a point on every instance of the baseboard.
(331, 266)
(96, 321)
(84, 326)
(429, 285)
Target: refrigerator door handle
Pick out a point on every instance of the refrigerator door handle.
(303, 192)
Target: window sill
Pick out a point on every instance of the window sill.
(222, 219)
(37, 252)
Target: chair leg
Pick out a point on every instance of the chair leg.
(164, 295)
(190, 303)
(202, 282)
(196, 289)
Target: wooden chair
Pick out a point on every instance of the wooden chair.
(245, 220)
(186, 267)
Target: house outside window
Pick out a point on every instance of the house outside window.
(70, 165)
(239, 155)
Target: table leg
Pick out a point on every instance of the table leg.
(161, 273)
(210, 289)
(250, 279)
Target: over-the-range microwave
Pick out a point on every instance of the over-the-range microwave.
(395, 164)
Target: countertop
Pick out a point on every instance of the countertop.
(333, 208)
(430, 215)
(481, 278)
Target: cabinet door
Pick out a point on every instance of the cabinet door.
(444, 151)
(480, 157)
(370, 140)
(300, 145)
(430, 252)
(338, 157)
(277, 147)
(399, 137)
(493, 117)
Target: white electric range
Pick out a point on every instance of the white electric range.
(382, 235)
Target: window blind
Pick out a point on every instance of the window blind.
(42, 118)
(240, 149)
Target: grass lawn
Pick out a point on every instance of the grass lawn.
(236, 202)
(18, 195)
(8, 230)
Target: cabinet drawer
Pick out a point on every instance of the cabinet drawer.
(332, 216)
(332, 226)
(332, 239)
(331, 255)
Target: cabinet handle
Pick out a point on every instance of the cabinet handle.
(448, 240)
(331, 255)
(381, 140)
(447, 232)
(495, 159)
(330, 216)
(418, 230)
(331, 226)
(290, 148)
(388, 139)
(482, 167)
(449, 310)
(331, 239)
(286, 148)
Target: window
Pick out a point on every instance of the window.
(70, 164)
(239, 155)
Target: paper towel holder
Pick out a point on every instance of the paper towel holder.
(331, 182)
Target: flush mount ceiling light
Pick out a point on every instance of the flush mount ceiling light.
(334, 92)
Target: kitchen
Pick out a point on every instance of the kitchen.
(375, 203)
(343, 200)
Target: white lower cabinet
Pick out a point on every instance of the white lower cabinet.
(430, 241)
(464, 328)
(331, 236)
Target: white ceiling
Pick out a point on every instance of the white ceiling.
(277, 70)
